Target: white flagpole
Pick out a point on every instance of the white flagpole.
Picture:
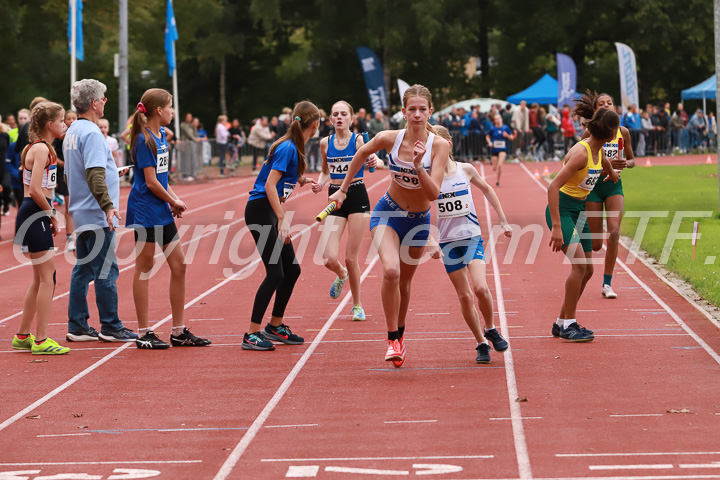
(175, 95)
(73, 44)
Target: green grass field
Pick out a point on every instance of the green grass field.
(672, 189)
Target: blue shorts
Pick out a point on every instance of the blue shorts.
(412, 228)
(460, 253)
(495, 152)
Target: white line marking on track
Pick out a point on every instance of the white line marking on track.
(291, 426)
(302, 471)
(521, 418)
(240, 448)
(633, 454)
(638, 415)
(700, 465)
(65, 435)
(655, 297)
(656, 466)
(352, 459)
(411, 421)
(521, 450)
(366, 471)
(128, 462)
(109, 356)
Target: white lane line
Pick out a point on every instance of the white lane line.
(240, 448)
(411, 421)
(655, 466)
(292, 426)
(65, 435)
(128, 462)
(521, 418)
(106, 358)
(633, 454)
(700, 465)
(352, 459)
(655, 297)
(367, 471)
(638, 415)
(521, 449)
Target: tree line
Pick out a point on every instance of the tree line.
(253, 57)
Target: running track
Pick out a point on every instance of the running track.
(333, 408)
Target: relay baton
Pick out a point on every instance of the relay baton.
(328, 210)
(366, 139)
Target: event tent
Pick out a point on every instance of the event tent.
(702, 91)
(544, 91)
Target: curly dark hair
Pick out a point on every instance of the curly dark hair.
(586, 105)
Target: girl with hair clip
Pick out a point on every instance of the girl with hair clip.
(607, 194)
(151, 207)
(270, 228)
(461, 245)
(36, 225)
(497, 139)
(337, 152)
(565, 213)
(402, 216)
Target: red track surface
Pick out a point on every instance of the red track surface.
(333, 408)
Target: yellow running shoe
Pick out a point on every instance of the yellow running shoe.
(26, 344)
(49, 347)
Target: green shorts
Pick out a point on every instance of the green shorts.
(604, 190)
(572, 211)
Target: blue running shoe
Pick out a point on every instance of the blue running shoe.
(498, 342)
(483, 353)
(256, 341)
(337, 286)
(282, 334)
(556, 330)
(575, 333)
(122, 335)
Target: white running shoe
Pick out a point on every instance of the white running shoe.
(607, 292)
(337, 285)
(70, 244)
(358, 314)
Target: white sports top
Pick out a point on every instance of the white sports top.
(403, 172)
(457, 219)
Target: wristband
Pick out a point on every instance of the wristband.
(53, 213)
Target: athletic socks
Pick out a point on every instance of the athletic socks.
(394, 335)
(142, 332)
(177, 331)
(607, 279)
(568, 321)
(401, 331)
(485, 329)
(483, 343)
(560, 322)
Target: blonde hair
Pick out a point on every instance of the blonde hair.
(304, 115)
(419, 91)
(151, 100)
(42, 114)
(443, 132)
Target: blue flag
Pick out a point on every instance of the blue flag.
(79, 51)
(374, 78)
(567, 81)
(171, 35)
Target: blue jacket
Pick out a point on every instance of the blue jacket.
(12, 165)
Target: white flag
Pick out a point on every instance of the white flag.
(628, 76)
(402, 86)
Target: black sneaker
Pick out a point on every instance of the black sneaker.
(88, 336)
(151, 342)
(256, 341)
(187, 339)
(498, 342)
(483, 353)
(556, 330)
(575, 333)
(122, 335)
(282, 334)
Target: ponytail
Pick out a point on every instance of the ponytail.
(150, 101)
(303, 116)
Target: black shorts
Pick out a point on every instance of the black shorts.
(160, 234)
(32, 228)
(357, 200)
(61, 188)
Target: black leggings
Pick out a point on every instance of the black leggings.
(281, 266)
